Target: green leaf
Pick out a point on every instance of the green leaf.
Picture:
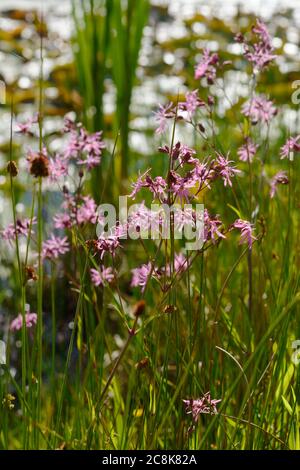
(287, 405)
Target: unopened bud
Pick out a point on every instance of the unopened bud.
(12, 168)
(139, 308)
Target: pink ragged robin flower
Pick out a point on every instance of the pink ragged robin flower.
(26, 127)
(141, 275)
(212, 227)
(180, 186)
(62, 220)
(87, 211)
(203, 405)
(21, 229)
(102, 277)
(162, 115)
(280, 178)
(259, 109)
(192, 103)
(139, 184)
(207, 66)
(54, 247)
(30, 320)
(58, 167)
(261, 52)
(108, 244)
(180, 265)
(91, 147)
(70, 125)
(246, 229)
(202, 174)
(259, 56)
(82, 146)
(80, 210)
(247, 152)
(224, 168)
(72, 148)
(292, 145)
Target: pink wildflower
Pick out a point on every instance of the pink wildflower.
(191, 103)
(207, 66)
(261, 30)
(62, 220)
(91, 145)
(224, 168)
(73, 146)
(139, 184)
(141, 275)
(142, 219)
(246, 229)
(25, 128)
(157, 186)
(107, 244)
(70, 125)
(259, 109)
(180, 186)
(260, 54)
(30, 320)
(201, 405)
(100, 278)
(202, 174)
(54, 247)
(211, 227)
(162, 115)
(247, 151)
(180, 265)
(184, 154)
(57, 168)
(90, 161)
(85, 147)
(280, 178)
(290, 146)
(183, 218)
(21, 229)
(87, 212)
(80, 210)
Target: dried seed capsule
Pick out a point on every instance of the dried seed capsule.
(39, 166)
(30, 273)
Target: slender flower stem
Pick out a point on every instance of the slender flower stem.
(20, 270)
(131, 334)
(53, 327)
(70, 349)
(39, 243)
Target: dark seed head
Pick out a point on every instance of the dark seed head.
(30, 273)
(39, 166)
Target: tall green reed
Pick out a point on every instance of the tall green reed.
(107, 42)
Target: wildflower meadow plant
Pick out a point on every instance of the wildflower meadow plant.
(135, 319)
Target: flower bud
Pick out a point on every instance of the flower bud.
(139, 308)
(12, 168)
